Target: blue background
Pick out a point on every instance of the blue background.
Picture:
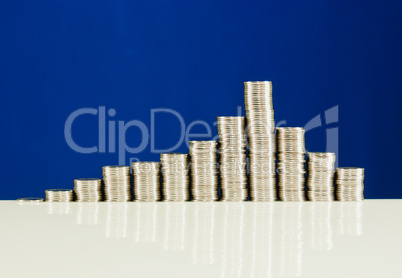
(193, 56)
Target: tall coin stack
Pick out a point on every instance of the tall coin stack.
(320, 177)
(204, 170)
(261, 140)
(232, 158)
(117, 183)
(88, 190)
(291, 160)
(146, 181)
(349, 184)
(59, 195)
(175, 177)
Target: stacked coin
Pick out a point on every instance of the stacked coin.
(88, 190)
(204, 170)
(146, 181)
(30, 200)
(261, 140)
(175, 177)
(350, 184)
(59, 195)
(117, 183)
(291, 160)
(320, 177)
(232, 158)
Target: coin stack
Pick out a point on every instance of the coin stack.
(291, 159)
(350, 184)
(59, 195)
(30, 200)
(88, 190)
(204, 170)
(232, 158)
(146, 181)
(320, 177)
(261, 140)
(117, 183)
(175, 177)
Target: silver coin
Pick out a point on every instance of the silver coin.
(261, 140)
(117, 183)
(30, 200)
(59, 195)
(175, 177)
(204, 171)
(291, 164)
(146, 181)
(349, 184)
(88, 190)
(320, 178)
(232, 158)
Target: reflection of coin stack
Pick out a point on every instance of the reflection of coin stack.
(88, 190)
(292, 240)
(350, 222)
(232, 158)
(203, 252)
(88, 214)
(59, 195)
(321, 230)
(145, 222)
(175, 177)
(117, 183)
(59, 208)
(116, 221)
(320, 177)
(291, 159)
(175, 226)
(233, 229)
(261, 140)
(349, 184)
(146, 181)
(262, 254)
(204, 169)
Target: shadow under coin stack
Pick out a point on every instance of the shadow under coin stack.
(349, 184)
(59, 195)
(146, 181)
(291, 160)
(204, 170)
(232, 158)
(320, 177)
(261, 140)
(88, 190)
(175, 177)
(117, 183)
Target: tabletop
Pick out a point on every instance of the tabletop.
(247, 239)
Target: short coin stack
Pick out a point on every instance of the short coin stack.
(59, 195)
(175, 177)
(88, 190)
(30, 200)
(117, 183)
(146, 181)
(291, 160)
(204, 170)
(349, 184)
(232, 158)
(261, 140)
(320, 178)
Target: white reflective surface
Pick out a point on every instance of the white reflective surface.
(201, 239)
